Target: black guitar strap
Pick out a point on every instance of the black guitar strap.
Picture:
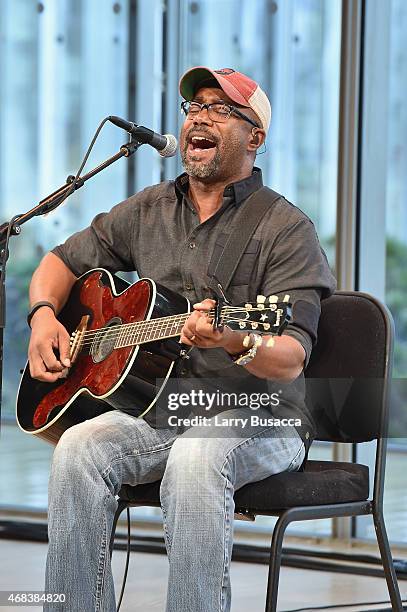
(246, 222)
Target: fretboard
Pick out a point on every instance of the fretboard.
(141, 332)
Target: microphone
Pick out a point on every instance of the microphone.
(165, 144)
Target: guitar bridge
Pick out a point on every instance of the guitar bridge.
(77, 338)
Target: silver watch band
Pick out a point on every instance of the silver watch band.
(247, 356)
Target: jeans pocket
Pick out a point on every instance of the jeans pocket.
(298, 459)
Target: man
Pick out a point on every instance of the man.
(173, 233)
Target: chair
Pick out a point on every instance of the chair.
(348, 388)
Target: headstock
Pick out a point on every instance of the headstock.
(267, 316)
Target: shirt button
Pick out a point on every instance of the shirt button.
(192, 245)
(188, 287)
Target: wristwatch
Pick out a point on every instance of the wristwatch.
(246, 357)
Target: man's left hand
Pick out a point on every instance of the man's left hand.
(199, 331)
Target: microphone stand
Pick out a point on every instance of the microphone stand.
(51, 202)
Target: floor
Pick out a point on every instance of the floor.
(23, 567)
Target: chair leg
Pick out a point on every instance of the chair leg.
(121, 506)
(387, 561)
(275, 562)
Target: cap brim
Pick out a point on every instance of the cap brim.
(190, 81)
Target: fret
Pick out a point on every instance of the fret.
(118, 337)
(143, 333)
(133, 334)
(122, 336)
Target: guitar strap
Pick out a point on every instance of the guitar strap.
(246, 222)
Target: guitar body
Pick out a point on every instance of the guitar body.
(102, 379)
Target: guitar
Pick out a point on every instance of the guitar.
(122, 339)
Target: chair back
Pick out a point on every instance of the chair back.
(347, 376)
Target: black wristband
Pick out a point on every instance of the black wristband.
(36, 307)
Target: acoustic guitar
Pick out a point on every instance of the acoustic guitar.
(123, 338)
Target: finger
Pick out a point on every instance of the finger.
(50, 377)
(64, 347)
(39, 372)
(207, 302)
(205, 305)
(189, 328)
(186, 340)
(47, 355)
(204, 328)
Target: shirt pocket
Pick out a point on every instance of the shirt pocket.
(247, 265)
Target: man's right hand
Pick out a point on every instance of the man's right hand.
(48, 334)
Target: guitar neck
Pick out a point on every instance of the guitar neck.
(142, 332)
(270, 320)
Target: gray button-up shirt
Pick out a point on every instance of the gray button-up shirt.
(158, 234)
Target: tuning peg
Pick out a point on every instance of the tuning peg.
(279, 314)
(273, 299)
(254, 325)
(261, 301)
(266, 326)
(248, 306)
(242, 324)
(286, 298)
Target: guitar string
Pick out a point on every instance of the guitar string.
(88, 345)
(140, 328)
(165, 321)
(224, 312)
(134, 341)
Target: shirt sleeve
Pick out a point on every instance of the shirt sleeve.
(106, 243)
(298, 267)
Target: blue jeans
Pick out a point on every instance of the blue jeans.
(200, 471)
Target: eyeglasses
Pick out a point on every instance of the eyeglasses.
(219, 112)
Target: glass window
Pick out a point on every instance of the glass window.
(384, 190)
(292, 49)
(63, 67)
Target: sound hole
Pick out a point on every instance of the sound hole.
(105, 340)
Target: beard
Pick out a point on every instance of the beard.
(198, 169)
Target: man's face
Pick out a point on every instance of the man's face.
(224, 151)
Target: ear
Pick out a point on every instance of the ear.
(256, 139)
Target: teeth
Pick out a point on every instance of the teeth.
(197, 138)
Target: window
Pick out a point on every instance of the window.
(383, 245)
(63, 67)
(292, 49)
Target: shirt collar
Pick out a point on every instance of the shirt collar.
(237, 192)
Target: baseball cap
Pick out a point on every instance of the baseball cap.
(239, 87)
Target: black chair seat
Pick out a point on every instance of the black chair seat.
(322, 482)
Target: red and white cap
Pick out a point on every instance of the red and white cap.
(239, 87)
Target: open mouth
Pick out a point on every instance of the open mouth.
(201, 143)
